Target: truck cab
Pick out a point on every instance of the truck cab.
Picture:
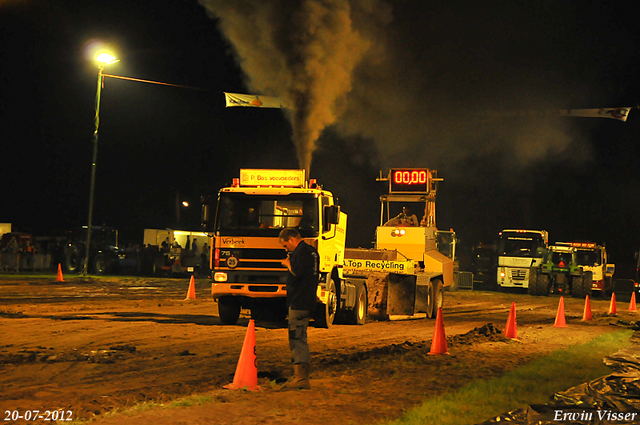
(593, 258)
(246, 254)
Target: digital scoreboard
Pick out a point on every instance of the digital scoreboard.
(409, 180)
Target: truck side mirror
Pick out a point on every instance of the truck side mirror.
(332, 213)
(331, 216)
(206, 220)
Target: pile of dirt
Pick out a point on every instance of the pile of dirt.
(485, 333)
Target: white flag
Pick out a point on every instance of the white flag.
(253, 100)
(615, 113)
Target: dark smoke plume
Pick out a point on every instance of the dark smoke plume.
(425, 81)
(303, 51)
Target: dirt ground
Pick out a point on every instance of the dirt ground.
(91, 346)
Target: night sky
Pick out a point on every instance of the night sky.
(466, 88)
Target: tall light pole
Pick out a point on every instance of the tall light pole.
(101, 60)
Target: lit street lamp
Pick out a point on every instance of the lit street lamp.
(102, 59)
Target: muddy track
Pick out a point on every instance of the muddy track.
(95, 354)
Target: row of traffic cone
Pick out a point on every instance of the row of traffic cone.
(613, 308)
(511, 330)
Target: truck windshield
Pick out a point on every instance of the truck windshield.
(521, 245)
(561, 258)
(240, 214)
(589, 258)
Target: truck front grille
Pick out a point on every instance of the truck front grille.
(254, 288)
(519, 274)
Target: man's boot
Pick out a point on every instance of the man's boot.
(300, 380)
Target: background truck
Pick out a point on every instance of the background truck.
(519, 250)
(403, 275)
(592, 257)
(560, 273)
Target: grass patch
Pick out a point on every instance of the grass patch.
(194, 400)
(533, 383)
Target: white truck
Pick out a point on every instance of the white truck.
(519, 250)
(593, 257)
(403, 275)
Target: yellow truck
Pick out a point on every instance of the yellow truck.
(403, 275)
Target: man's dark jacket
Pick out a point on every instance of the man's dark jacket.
(303, 283)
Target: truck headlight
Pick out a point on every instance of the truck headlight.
(220, 277)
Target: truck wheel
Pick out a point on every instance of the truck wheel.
(533, 281)
(540, 286)
(325, 313)
(229, 310)
(577, 286)
(430, 300)
(101, 264)
(438, 296)
(358, 316)
(72, 260)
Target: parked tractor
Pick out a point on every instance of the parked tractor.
(560, 273)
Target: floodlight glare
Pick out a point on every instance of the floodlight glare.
(106, 59)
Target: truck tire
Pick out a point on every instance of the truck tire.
(72, 260)
(533, 281)
(577, 286)
(326, 313)
(430, 301)
(540, 285)
(229, 310)
(101, 264)
(358, 316)
(438, 296)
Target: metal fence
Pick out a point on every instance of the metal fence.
(463, 280)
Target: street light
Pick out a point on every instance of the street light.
(101, 60)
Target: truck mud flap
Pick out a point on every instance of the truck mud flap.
(401, 298)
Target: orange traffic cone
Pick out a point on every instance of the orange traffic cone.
(511, 329)
(439, 341)
(632, 303)
(59, 278)
(560, 321)
(587, 309)
(191, 293)
(246, 376)
(613, 309)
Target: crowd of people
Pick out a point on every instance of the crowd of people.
(30, 254)
(25, 255)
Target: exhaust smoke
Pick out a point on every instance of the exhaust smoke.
(303, 51)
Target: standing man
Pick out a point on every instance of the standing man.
(302, 282)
